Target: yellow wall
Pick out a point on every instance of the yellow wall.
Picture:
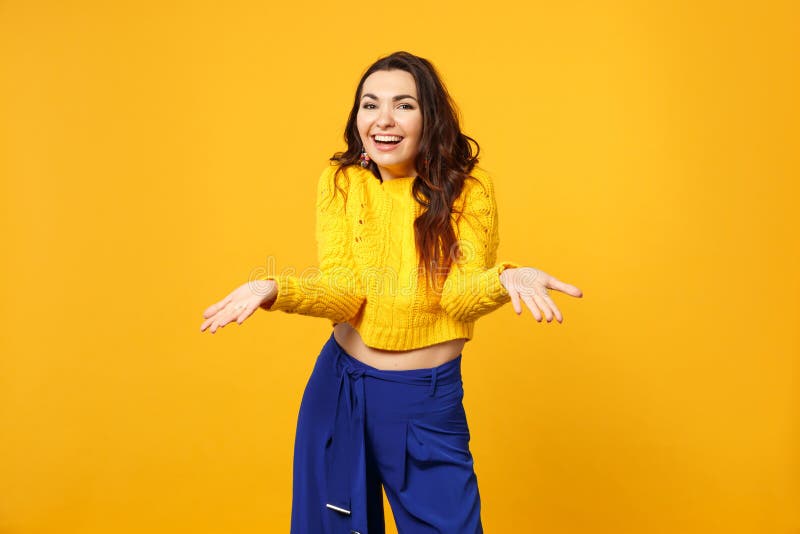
(153, 153)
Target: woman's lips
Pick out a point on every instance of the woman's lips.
(385, 147)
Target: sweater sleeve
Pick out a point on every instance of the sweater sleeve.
(472, 287)
(331, 290)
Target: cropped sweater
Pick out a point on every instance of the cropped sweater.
(368, 271)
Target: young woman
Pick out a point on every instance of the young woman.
(407, 240)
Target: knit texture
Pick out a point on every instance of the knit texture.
(368, 275)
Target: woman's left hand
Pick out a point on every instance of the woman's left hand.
(530, 285)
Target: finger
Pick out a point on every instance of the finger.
(220, 319)
(245, 314)
(219, 323)
(214, 308)
(227, 316)
(555, 283)
(545, 307)
(532, 305)
(208, 322)
(552, 304)
(515, 301)
(211, 310)
(233, 313)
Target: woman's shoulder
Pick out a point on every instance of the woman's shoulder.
(478, 188)
(343, 174)
(337, 182)
(480, 178)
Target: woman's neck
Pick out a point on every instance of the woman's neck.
(388, 174)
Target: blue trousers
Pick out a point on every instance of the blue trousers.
(360, 427)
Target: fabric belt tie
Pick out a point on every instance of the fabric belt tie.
(345, 454)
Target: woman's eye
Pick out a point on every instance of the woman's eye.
(406, 106)
(369, 106)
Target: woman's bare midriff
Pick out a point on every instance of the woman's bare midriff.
(396, 360)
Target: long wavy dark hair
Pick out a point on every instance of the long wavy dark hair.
(445, 160)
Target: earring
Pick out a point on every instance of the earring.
(364, 159)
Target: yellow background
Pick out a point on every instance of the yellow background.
(153, 153)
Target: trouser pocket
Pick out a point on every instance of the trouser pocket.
(437, 444)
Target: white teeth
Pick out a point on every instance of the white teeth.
(388, 138)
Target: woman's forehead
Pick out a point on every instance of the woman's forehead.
(390, 83)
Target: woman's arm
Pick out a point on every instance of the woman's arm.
(472, 288)
(478, 285)
(333, 289)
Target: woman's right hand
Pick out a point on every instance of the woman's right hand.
(239, 304)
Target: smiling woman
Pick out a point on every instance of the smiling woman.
(390, 122)
(407, 240)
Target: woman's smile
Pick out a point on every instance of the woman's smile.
(386, 143)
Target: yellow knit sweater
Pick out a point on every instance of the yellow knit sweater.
(368, 274)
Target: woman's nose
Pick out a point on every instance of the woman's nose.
(385, 118)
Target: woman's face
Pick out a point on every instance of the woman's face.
(389, 122)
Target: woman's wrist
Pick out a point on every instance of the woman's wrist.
(268, 290)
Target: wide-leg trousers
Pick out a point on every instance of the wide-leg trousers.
(360, 428)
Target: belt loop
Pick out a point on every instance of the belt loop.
(433, 382)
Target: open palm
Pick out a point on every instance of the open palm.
(239, 304)
(530, 286)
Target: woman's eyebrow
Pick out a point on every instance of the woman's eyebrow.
(394, 98)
